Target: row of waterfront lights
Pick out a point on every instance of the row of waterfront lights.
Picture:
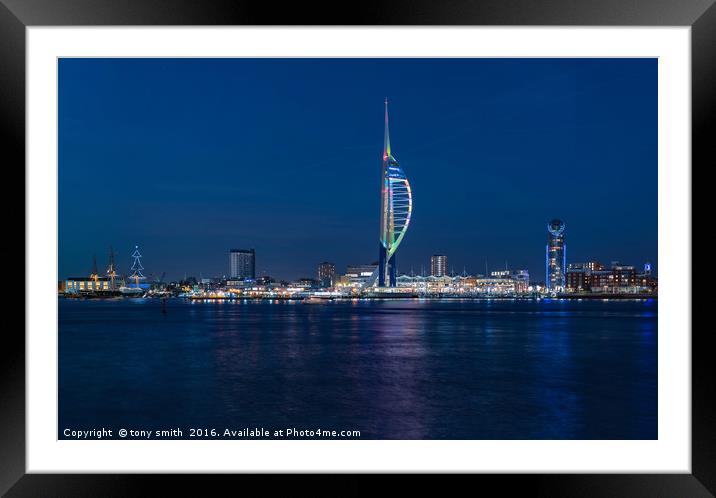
(560, 277)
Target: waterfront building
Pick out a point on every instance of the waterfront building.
(395, 209)
(646, 280)
(342, 281)
(80, 285)
(305, 284)
(577, 279)
(242, 264)
(428, 286)
(624, 275)
(359, 275)
(211, 283)
(327, 274)
(266, 281)
(498, 286)
(438, 265)
(240, 284)
(582, 276)
(604, 281)
(588, 265)
(522, 280)
(619, 279)
(556, 256)
(505, 281)
(92, 284)
(467, 286)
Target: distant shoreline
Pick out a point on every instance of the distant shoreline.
(578, 297)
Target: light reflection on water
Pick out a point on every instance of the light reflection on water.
(404, 369)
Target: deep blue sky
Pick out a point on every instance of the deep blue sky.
(191, 157)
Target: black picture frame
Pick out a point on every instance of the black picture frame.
(16, 15)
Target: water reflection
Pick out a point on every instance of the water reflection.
(403, 369)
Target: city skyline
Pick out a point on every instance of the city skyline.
(437, 267)
(485, 212)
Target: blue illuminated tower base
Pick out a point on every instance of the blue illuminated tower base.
(387, 268)
(393, 269)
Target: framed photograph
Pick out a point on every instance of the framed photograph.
(427, 239)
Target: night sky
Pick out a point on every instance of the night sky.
(189, 158)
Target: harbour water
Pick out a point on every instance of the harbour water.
(391, 369)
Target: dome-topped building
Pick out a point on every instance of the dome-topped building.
(556, 227)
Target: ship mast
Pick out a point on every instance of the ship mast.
(111, 270)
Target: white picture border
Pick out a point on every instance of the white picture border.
(670, 453)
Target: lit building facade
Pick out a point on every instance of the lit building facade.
(522, 280)
(623, 275)
(594, 277)
(327, 274)
(305, 284)
(396, 206)
(358, 275)
(646, 279)
(556, 256)
(438, 265)
(480, 286)
(78, 285)
(242, 263)
(240, 283)
(581, 276)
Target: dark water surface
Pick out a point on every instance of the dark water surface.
(400, 369)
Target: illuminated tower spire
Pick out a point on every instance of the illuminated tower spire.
(395, 210)
(386, 139)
